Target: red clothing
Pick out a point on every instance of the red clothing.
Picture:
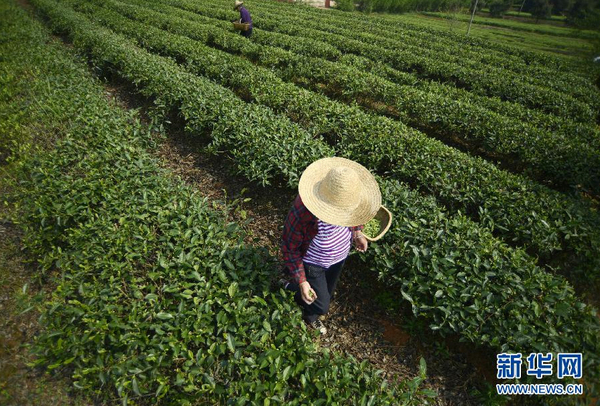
(301, 226)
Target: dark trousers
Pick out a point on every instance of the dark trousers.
(247, 33)
(323, 281)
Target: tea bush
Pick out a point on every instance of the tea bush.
(542, 220)
(563, 159)
(426, 241)
(156, 299)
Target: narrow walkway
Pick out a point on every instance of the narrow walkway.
(357, 324)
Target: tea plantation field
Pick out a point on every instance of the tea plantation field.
(488, 157)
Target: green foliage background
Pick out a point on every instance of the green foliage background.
(155, 299)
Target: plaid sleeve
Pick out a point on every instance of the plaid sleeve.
(293, 233)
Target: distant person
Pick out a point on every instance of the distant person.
(336, 198)
(244, 17)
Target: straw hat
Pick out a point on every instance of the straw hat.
(340, 192)
(237, 4)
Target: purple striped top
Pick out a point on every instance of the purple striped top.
(330, 246)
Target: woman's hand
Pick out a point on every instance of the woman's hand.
(360, 242)
(308, 294)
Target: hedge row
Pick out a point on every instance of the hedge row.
(315, 47)
(538, 218)
(487, 79)
(530, 58)
(157, 300)
(530, 67)
(559, 126)
(440, 64)
(468, 109)
(563, 159)
(530, 61)
(465, 251)
(218, 114)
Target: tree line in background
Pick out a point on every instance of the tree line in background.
(400, 6)
(583, 14)
(580, 13)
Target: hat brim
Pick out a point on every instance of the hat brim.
(369, 201)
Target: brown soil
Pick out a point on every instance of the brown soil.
(25, 4)
(357, 325)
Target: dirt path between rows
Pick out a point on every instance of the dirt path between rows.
(357, 324)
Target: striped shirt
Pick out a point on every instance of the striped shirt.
(330, 246)
(299, 229)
